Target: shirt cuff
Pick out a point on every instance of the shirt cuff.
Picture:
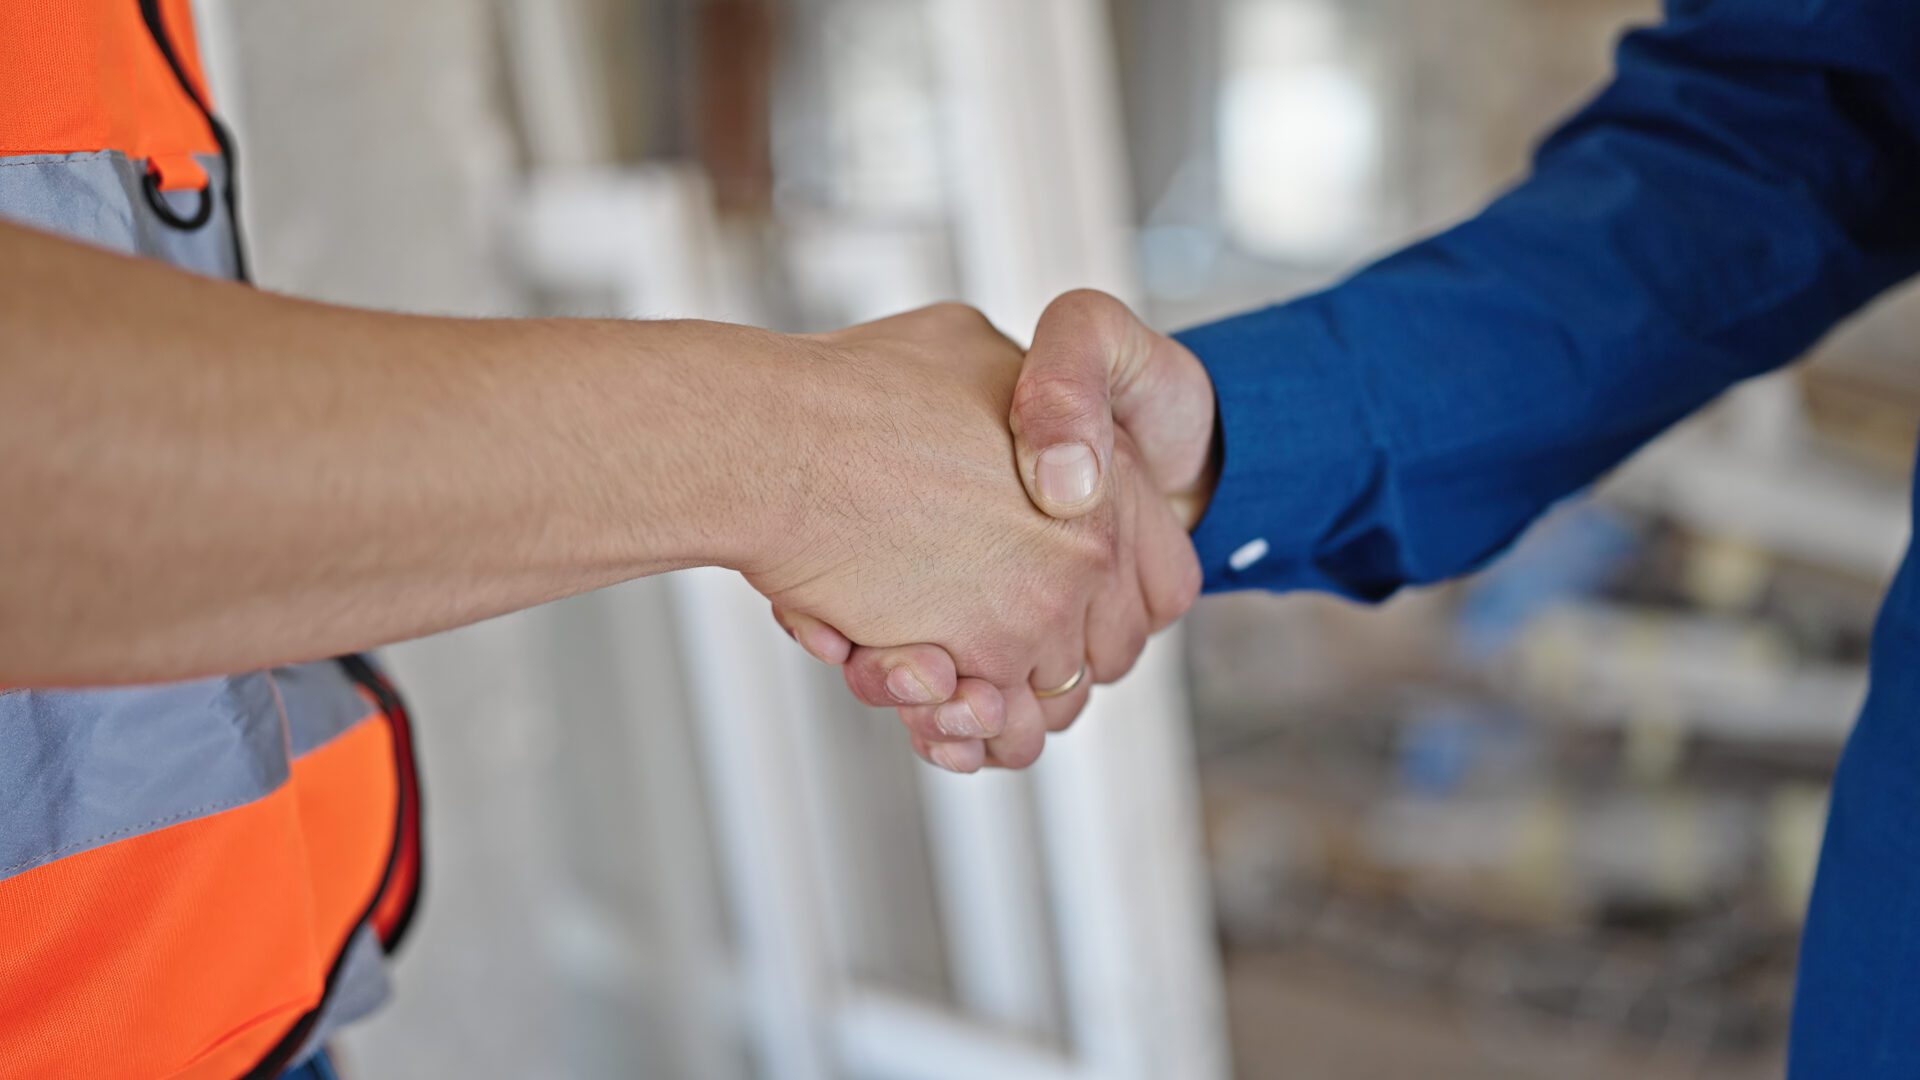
(1301, 501)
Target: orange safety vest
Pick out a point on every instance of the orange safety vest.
(197, 879)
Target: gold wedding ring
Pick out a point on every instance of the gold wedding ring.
(1065, 687)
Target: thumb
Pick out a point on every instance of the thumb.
(1062, 417)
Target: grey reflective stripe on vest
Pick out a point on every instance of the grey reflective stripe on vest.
(99, 198)
(82, 768)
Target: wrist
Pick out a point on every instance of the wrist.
(659, 445)
(759, 459)
(774, 465)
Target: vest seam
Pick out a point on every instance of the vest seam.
(56, 157)
(121, 833)
(61, 157)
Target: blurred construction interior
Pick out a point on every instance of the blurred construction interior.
(1558, 820)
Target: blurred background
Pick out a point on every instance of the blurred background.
(1556, 820)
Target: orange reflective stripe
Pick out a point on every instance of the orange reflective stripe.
(85, 75)
(191, 950)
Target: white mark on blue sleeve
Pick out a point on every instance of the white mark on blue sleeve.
(1248, 553)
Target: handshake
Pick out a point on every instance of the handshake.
(979, 537)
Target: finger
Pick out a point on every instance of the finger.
(1060, 712)
(1117, 622)
(1063, 660)
(1164, 400)
(904, 675)
(1062, 416)
(1117, 628)
(822, 642)
(1025, 735)
(1095, 366)
(1165, 563)
(957, 757)
(976, 711)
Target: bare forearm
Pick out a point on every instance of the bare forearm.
(197, 477)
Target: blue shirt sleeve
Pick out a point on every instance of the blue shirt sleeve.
(1750, 176)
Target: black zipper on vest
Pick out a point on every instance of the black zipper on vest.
(364, 674)
(157, 29)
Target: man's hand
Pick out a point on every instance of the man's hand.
(919, 535)
(212, 472)
(1093, 364)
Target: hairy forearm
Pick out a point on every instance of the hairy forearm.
(198, 477)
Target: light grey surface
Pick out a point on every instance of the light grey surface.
(375, 152)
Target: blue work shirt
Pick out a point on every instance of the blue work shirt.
(1750, 177)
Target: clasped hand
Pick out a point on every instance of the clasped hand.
(995, 526)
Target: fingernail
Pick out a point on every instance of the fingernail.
(812, 647)
(953, 757)
(907, 689)
(956, 719)
(1067, 474)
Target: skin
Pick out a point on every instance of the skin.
(1096, 377)
(217, 479)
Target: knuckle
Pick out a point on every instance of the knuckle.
(1092, 539)
(1096, 548)
(1084, 300)
(1052, 399)
(1042, 592)
(1058, 602)
(997, 661)
(954, 311)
